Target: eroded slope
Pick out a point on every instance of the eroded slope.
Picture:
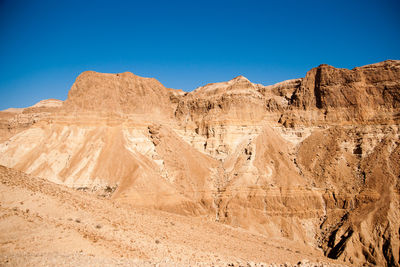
(312, 160)
(46, 224)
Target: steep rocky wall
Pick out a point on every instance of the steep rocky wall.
(123, 93)
(359, 168)
(368, 94)
(314, 159)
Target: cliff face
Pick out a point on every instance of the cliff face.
(123, 93)
(358, 167)
(312, 160)
(368, 94)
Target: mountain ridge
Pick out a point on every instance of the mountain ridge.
(302, 160)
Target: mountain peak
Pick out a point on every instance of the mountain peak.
(240, 78)
(120, 93)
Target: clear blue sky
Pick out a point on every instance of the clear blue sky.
(44, 45)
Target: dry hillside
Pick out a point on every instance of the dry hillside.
(304, 169)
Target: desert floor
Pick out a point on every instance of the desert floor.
(44, 224)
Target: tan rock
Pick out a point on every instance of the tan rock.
(311, 160)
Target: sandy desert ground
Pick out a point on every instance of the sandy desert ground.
(43, 224)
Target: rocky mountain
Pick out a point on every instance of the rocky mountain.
(314, 160)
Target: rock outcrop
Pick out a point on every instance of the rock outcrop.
(313, 159)
(367, 94)
(15, 120)
(123, 93)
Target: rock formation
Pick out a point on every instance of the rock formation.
(313, 160)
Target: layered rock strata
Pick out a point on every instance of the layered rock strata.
(314, 159)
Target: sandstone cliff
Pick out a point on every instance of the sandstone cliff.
(312, 160)
(367, 94)
(122, 93)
